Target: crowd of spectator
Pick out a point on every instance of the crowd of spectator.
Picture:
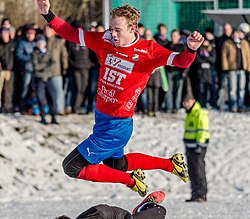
(40, 73)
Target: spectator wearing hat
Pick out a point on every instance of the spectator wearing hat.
(43, 66)
(244, 29)
(235, 61)
(23, 53)
(196, 139)
(6, 66)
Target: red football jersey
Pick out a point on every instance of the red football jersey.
(124, 70)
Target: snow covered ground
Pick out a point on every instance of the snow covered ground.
(33, 185)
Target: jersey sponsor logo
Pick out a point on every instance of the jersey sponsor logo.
(119, 63)
(140, 50)
(113, 76)
(133, 100)
(122, 54)
(135, 57)
(107, 95)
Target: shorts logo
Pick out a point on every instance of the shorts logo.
(119, 63)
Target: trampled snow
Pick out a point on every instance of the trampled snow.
(33, 185)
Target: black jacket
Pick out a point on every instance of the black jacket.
(78, 56)
(6, 55)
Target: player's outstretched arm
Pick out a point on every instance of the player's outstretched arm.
(194, 40)
(60, 26)
(43, 6)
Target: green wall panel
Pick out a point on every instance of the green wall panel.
(154, 12)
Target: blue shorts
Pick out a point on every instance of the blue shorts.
(110, 136)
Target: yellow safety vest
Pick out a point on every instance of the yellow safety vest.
(196, 127)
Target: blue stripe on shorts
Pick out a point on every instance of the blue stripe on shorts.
(110, 136)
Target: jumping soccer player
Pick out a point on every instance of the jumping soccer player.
(126, 65)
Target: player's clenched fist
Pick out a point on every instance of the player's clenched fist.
(195, 40)
(43, 6)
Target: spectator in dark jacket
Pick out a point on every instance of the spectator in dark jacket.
(6, 66)
(161, 36)
(24, 52)
(43, 65)
(79, 65)
(205, 60)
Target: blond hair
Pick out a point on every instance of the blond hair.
(131, 14)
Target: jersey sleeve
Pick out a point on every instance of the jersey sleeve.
(160, 55)
(66, 31)
(76, 35)
(93, 40)
(164, 57)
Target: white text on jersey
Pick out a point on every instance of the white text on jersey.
(119, 63)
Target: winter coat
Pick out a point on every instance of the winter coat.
(6, 55)
(196, 127)
(23, 53)
(205, 60)
(229, 55)
(59, 54)
(78, 56)
(43, 64)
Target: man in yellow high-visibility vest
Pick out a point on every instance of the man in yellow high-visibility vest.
(196, 139)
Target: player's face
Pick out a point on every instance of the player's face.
(122, 34)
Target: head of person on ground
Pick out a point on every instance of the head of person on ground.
(63, 217)
(123, 24)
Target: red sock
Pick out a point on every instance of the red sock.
(147, 162)
(103, 173)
